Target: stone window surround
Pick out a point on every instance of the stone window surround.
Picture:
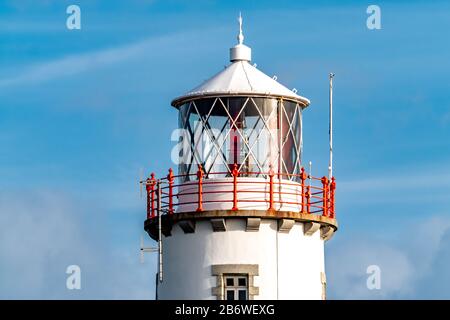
(219, 270)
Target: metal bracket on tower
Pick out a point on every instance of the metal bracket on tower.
(146, 249)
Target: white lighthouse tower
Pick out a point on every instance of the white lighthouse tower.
(241, 218)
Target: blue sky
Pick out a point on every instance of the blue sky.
(82, 111)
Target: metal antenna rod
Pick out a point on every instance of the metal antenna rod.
(330, 129)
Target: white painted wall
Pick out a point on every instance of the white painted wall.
(289, 263)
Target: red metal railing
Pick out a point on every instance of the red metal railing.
(316, 194)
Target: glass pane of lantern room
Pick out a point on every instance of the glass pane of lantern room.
(262, 127)
(183, 154)
(207, 140)
(251, 141)
(198, 138)
(291, 137)
(237, 141)
(194, 131)
(218, 124)
(298, 137)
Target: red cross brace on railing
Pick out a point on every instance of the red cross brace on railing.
(316, 195)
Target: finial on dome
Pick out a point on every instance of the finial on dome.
(240, 52)
(241, 35)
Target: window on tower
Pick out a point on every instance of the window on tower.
(236, 287)
(235, 281)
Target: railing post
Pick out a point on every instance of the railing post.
(170, 180)
(308, 199)
(332, 191)
(271, 174)
(235, 173)
(302, 180)
(200, 188)
(152, 195)
(325, 196)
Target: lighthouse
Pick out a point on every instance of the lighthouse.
(239, 216)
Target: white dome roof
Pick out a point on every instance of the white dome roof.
(241, 78)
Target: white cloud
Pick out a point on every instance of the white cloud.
(348, 262)
(434, 285)
(42, 232)
(412, 261)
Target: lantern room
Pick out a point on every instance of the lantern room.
(240, 117)
(240, 146)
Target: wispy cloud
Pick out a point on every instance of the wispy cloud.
(424, 176)
(407, 186)
(88, 62)
(76, 64)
